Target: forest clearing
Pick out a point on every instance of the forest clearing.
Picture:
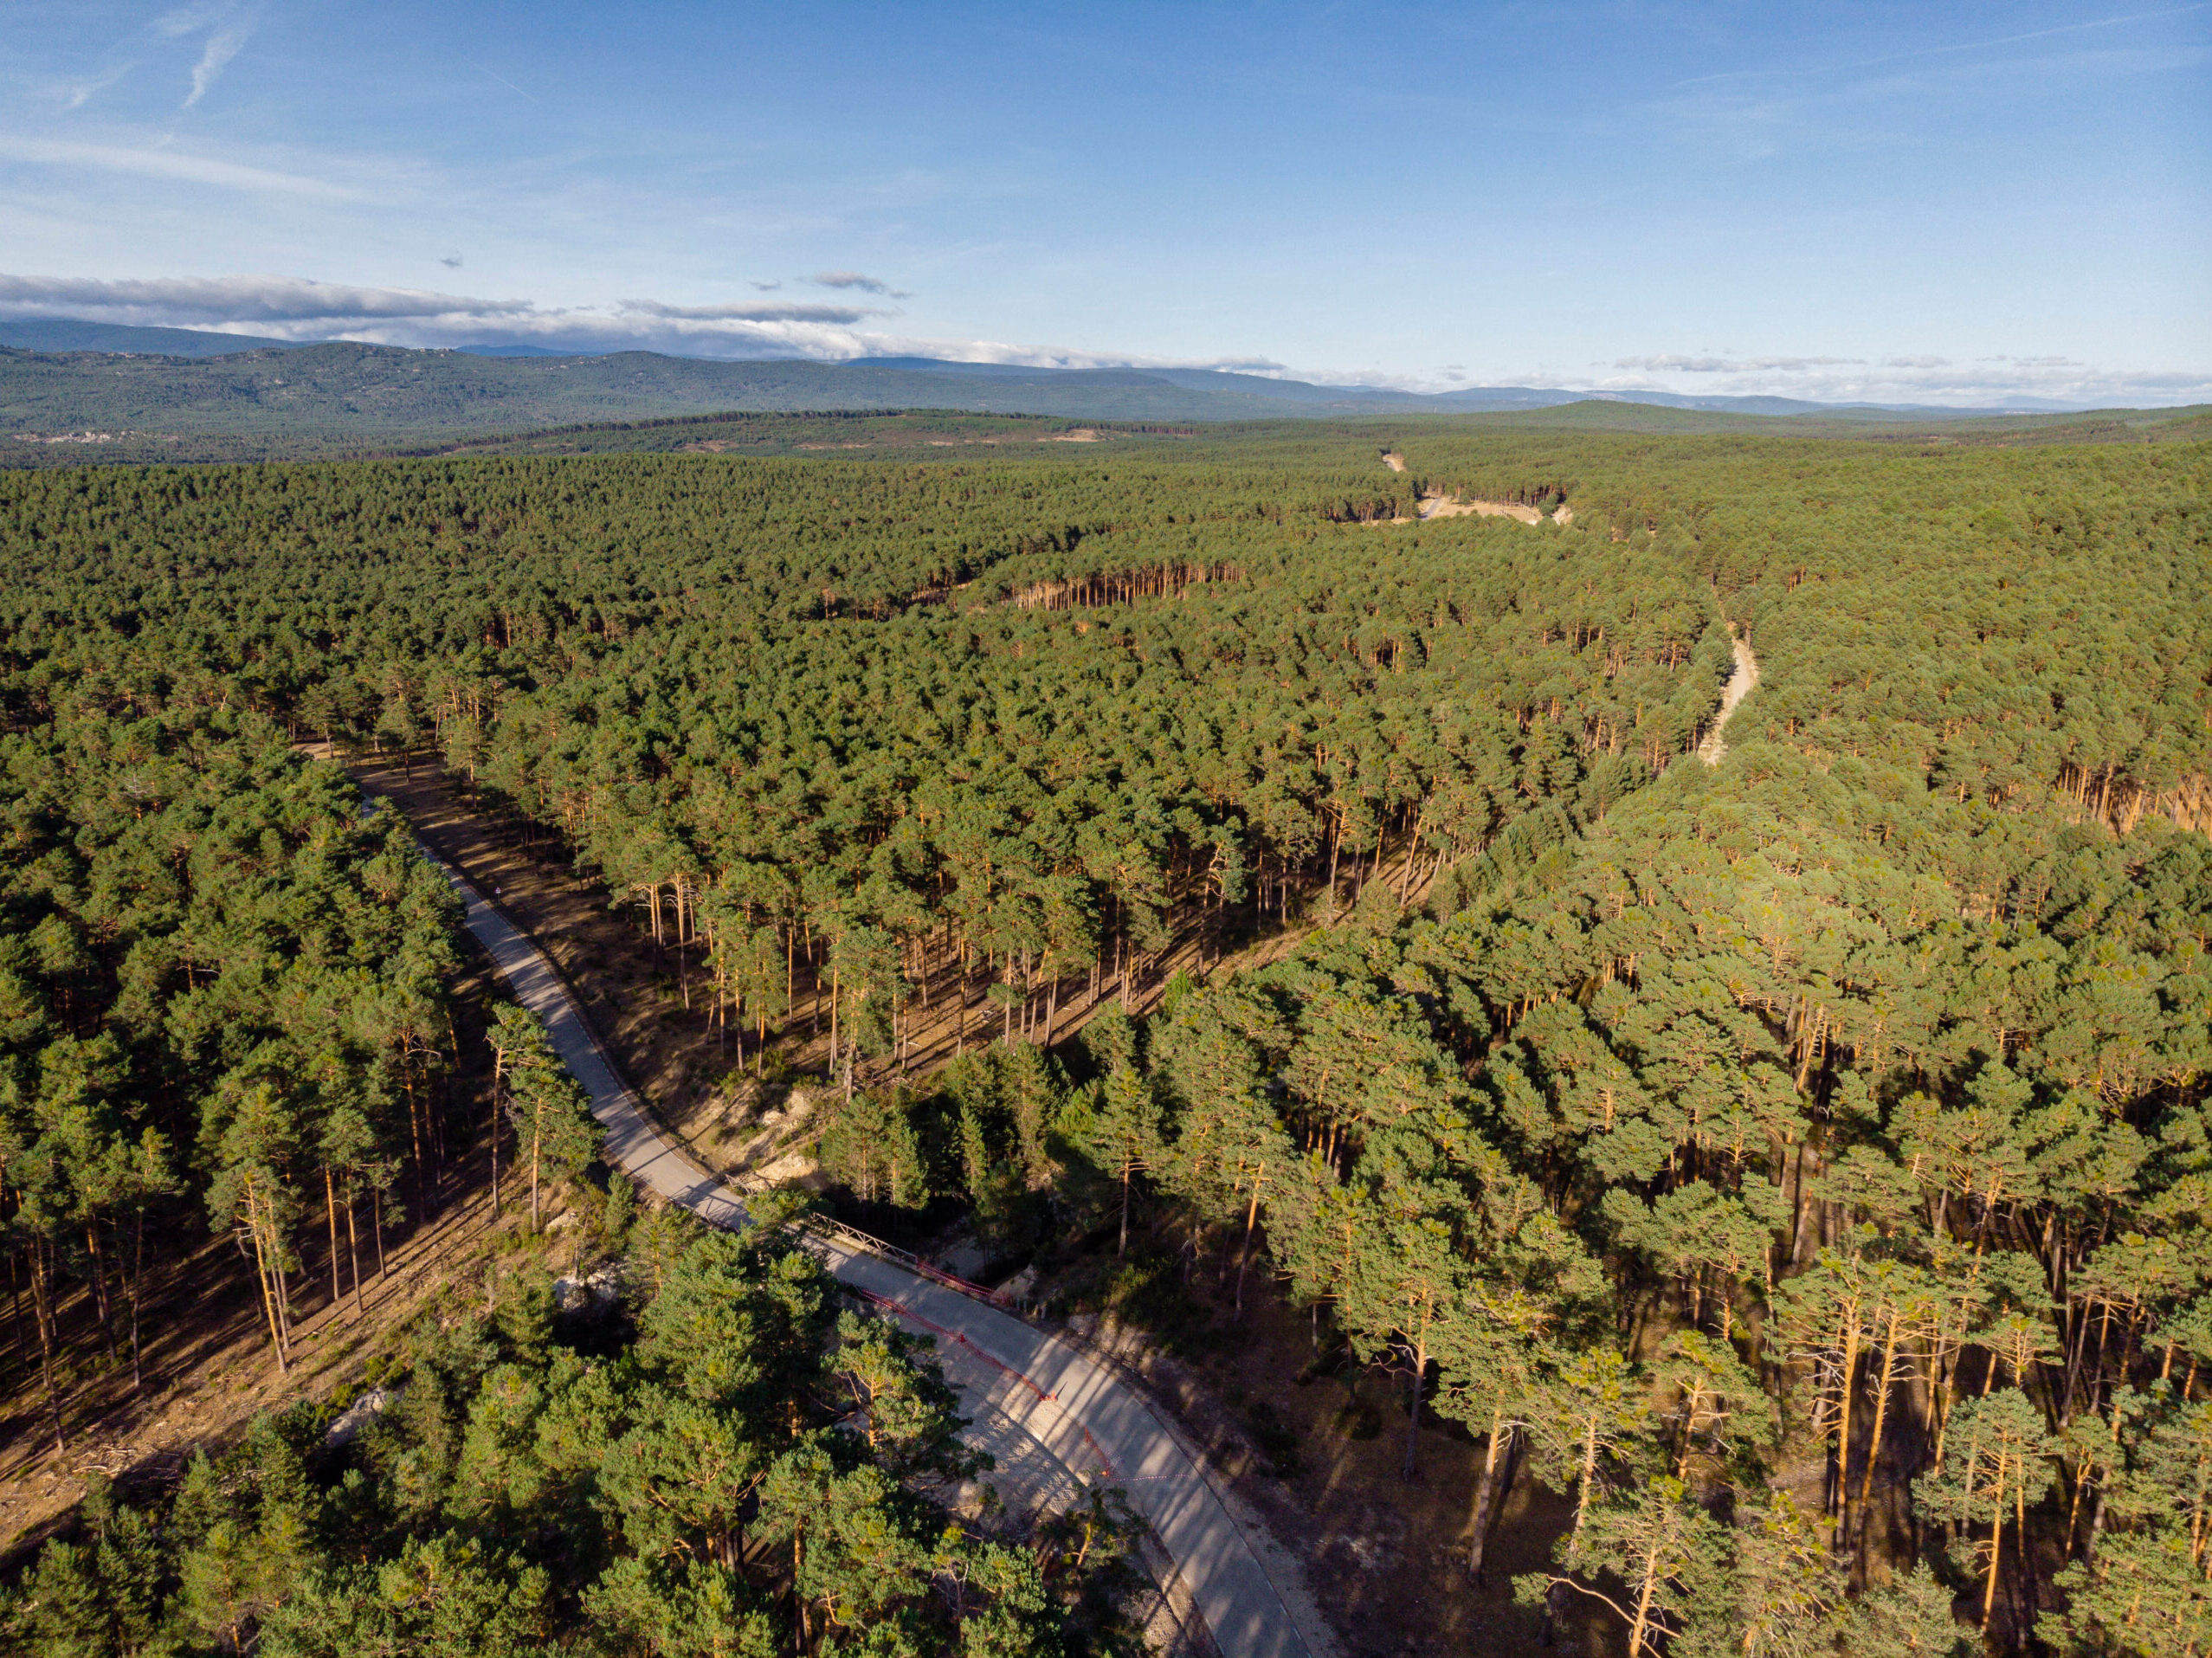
(1567, 1194)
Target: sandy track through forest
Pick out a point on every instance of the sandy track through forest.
(1075, 1408)
(1740, 684)
(1456, 506)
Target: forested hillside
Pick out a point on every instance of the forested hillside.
(1801, 1161)
(367, 392)
(897, 726)
(310, 399)
(61, 405)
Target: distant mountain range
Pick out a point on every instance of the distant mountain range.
(232, 383)
(72, 391)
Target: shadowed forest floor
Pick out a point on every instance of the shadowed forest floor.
(1311, 1442)
(633, 990)
(209, 1366)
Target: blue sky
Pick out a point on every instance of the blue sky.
(1937, 203)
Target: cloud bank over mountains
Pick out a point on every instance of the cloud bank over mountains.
(292, 308)
(1917, 379)
(836, 330)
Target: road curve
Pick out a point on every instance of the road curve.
(1077, 1407)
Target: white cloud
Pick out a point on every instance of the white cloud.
(226, 25)
(1943, 51)
(751, 312)
(78, 94)
(1731, 365)
(1923, 380)
(1756, 113)
(222, 44)
(508, 84)
(194, 302)
(174, 165)
(1992, 382)
(294, 308)
(188, 20)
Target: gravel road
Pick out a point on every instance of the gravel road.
(1076, 1409)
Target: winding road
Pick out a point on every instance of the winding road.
(1076, 1408)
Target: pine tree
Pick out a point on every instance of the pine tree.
(1123, 1136)
(1666, 1551)
(2003, 1466)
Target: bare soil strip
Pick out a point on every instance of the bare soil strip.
(1740, 684)
(1455, 506)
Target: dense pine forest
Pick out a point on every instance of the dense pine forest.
(1800, 1163)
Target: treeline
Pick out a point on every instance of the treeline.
(725, 1458)
(912, 433)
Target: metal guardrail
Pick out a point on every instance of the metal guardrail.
(899, 1309)
(822, 1226)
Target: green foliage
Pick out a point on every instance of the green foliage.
(1836, 1110)
(556, 1135)
(1665, 1550)
(519, 1497)
(221, 990)
(874, 1149)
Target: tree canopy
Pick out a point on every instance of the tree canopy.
(1801, 1159)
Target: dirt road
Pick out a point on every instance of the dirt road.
(1739, 686)
(1075, 1408)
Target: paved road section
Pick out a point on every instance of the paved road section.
(1072, 1405)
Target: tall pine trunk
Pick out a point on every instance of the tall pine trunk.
(264, 1273)
(1485, 1493)
(138, 1282)
(1996, 1547)
(330, 1205)
(41, 1295)
(353, 1246)
(1413, 1411)
(1244, 1259)
(1881, 1409)
(1851, 1337)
